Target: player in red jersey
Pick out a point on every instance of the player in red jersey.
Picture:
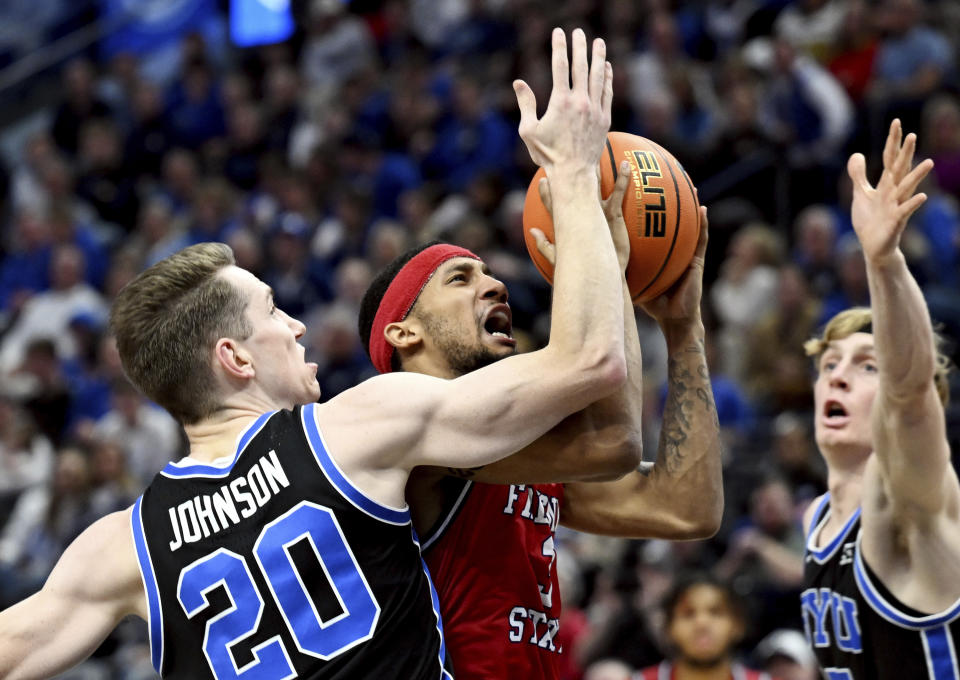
(703, 623)
(488, 533)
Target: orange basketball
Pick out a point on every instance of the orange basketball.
(659, 208)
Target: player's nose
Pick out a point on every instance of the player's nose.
(494, 289)
(296, 326)
(838, 377)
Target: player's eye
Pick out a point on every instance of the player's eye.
(457, 277)
(870, 367)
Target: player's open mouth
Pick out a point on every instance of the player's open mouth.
(834, 413)
(499, 324)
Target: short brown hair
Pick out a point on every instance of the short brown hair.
(860, 319)
(166, 322)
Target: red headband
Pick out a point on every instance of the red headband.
(402, 292)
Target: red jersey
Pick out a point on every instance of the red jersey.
(664, 671)
(491, 556)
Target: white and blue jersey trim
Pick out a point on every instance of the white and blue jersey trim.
(889, 612)
(821, 555)
(400, 516)
(435, 601)
(940, 653)
(181, 470)
(154, 611)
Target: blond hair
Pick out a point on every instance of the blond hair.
(860, 319)
(167, 321)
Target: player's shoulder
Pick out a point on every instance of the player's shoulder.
(389, 392)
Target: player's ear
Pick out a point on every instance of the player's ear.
(404, 335)
(233, 359)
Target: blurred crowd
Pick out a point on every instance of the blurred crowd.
(382, 124)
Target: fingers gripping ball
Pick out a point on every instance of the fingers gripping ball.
(660, 210)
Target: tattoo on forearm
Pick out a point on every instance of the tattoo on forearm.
(685, 390)
(465, 473)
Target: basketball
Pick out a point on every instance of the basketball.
(660, 210)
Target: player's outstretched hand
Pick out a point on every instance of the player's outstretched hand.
(680, 303)
(880, 214)
(574, 127)
(612, 210)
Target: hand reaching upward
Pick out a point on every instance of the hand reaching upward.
(574, 127)
(880, 213)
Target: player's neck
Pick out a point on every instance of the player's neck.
(423, 363)
(216, 436)
(683, 670)
(845, 485)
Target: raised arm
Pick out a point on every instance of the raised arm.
(94, 585)
(484, 415)
(681, 496)
(603, 441)
(909, 433)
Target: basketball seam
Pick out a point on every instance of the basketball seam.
(613, 162)
(676, 228)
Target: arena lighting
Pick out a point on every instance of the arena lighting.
(260, 22)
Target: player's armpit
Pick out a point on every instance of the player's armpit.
(93, 586)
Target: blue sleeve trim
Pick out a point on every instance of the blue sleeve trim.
(886, 610)
(339, 480)
(155, 623)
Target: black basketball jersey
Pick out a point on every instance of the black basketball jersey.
(857, 629)
(275, 566)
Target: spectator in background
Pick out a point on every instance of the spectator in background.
(180, 179)
(815, 238)
(80, 105)
(150, 136)
(786, 655)
(855, 49)
(337, 46)
(26, 456)
(26, 185)
(941, 135)
(745, 291)
(213, 211)
(149, 436)
(913, 62)
(25, 268)
(158, 233)
(704, 622)
(245, 145)
(335, 346)
(66, 229)
(812, 26)
(776, 370)
(288, 271)
(796, 456)
(811, 115)
(48, 314)
(851, 289)
(608, 669)
(104, 180)
(195, 111)
(43, 523)
(282, 105)
(113, 488)
(474, 139)
(764, 562)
